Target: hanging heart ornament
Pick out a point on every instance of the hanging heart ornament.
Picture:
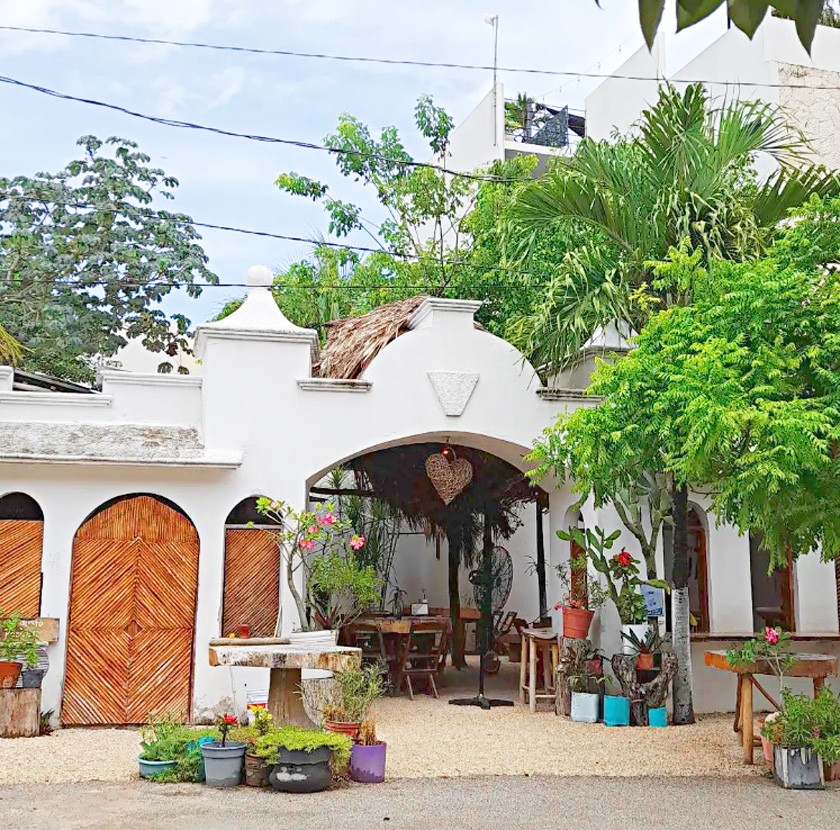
(448, 477)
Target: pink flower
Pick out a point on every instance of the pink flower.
(314, 530)
(357, 542)
(329, 519)
(771, 635)
(306, 544)
(275, 505)
(558, 606)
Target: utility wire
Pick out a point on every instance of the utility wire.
(306, 145)
(401, 62)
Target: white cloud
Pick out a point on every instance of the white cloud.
(229, 83)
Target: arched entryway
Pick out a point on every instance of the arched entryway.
(21, 545)
(252, 571)
(132, 613)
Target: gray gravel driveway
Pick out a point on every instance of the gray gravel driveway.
(497, 803)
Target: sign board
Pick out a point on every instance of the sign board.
(45, 627)
(654, 600)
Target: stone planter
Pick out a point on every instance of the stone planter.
(32, 678)
(298, 771)
(223, 764)
(797, 768)
(256, 771)
(585, 707)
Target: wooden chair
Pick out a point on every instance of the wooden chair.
(370, 639)
(422, 655)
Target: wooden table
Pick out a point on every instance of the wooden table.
(401, 625)
(815, 666)
(286, 662)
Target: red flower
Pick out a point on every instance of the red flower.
(771, 635)
(624, 559)
(230, 718)
(558, 606)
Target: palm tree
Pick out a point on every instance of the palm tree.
(687, 174)
(10, 349)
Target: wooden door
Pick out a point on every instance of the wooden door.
(132, 613)
(252, 574)
(21, 543)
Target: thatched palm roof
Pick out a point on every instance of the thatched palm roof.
(352, 343)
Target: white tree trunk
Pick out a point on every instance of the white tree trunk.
(680, 624)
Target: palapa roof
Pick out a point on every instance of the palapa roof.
(353, 342)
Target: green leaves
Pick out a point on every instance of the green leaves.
(747, 15)
(85, 258)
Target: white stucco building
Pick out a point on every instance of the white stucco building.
(772, 67)
(120, 509)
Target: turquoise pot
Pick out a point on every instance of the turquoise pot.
(149, 769)
(616, 710)
(658, 717)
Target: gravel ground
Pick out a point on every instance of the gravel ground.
(429, 738)
(455, 804)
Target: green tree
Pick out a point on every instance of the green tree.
(85, 258)
(747, 15)
(688, 175)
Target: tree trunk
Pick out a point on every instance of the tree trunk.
(455, 541)
(680, 613)
(541, 584)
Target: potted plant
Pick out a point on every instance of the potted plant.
(337, 588)
(586, 700)
(18, 646)
(223, 759)
(616, 706)
(582, 596)
(645, 648)
(577, 658)
(303, 760)
(355, 691)
(256, 769)
(367, 756)
(795, 735)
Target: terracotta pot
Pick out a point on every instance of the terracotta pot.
(576, 622)
(766, 743)
(343, 728)
(644, 661)
(244, 631)
(832, 772)
(595, 666)
(9, 674)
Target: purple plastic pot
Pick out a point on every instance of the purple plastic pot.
(367, 763)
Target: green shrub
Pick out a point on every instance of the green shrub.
(295, 737)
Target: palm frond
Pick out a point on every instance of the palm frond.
(10, 350)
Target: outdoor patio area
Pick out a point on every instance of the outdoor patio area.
(429, 738)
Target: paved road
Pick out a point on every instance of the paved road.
(502, 803)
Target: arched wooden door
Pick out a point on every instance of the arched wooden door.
(132, 614)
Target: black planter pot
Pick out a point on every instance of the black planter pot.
(301, 772)
(32, 678)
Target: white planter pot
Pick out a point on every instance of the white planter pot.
(585, 707)
(640, 630)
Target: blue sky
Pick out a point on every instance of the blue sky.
(230, 181)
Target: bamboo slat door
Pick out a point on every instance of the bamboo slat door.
(252, 573)
(21, 543)
(132, 614)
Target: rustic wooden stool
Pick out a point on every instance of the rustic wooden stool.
(544, 642)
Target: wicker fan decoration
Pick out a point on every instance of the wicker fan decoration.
(448, 474)
(501, 580)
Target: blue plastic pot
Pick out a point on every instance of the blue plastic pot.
(616, 710)
(658, 717)
(149, 769)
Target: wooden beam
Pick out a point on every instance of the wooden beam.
(541, 562)
(342, 491)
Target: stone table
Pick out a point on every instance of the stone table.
(286, 662)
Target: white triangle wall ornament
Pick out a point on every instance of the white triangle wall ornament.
(453, 390)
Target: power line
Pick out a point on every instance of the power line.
(402, 62)
(306, 145)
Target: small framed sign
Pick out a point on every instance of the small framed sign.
(654, 600)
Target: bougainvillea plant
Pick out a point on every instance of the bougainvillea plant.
(323, 547)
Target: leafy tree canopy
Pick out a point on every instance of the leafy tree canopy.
(738, 392)
(85, 258)
(747, 15)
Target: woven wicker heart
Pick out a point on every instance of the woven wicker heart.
(448, 477)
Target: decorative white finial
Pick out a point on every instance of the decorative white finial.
(259, 276)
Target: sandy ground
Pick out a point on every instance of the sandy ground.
(429, 738)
